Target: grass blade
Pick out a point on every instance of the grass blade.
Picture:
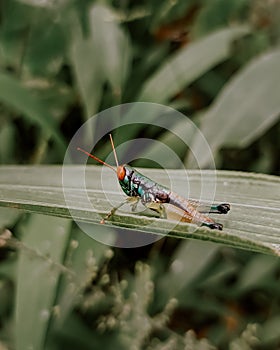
(21, 99)
(246, 108)
(111, 45)
(253, 222)
(43, 250)
(190, 63)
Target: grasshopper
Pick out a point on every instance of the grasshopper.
(153, 195)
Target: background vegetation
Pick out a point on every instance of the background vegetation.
(63, 61)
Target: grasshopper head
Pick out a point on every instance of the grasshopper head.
(121, 172)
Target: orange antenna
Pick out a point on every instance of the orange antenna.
(114, 150)
(97, 159)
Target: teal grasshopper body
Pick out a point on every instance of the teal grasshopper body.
(153, 195)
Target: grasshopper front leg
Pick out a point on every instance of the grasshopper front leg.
(132, 200)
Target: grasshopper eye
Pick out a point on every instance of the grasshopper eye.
(121, 172)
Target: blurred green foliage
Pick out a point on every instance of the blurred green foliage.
(61, 61)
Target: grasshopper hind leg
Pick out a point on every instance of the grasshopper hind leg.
(214, 226)
(222, 208)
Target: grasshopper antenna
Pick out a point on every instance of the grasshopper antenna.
(114, 150)
(97, 159)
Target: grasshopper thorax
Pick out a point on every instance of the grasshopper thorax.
(127, 180)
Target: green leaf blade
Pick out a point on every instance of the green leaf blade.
(14, 94)
(46, 239)
(111, 45)
(190, 63)
(247, 106)
(253, 222)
